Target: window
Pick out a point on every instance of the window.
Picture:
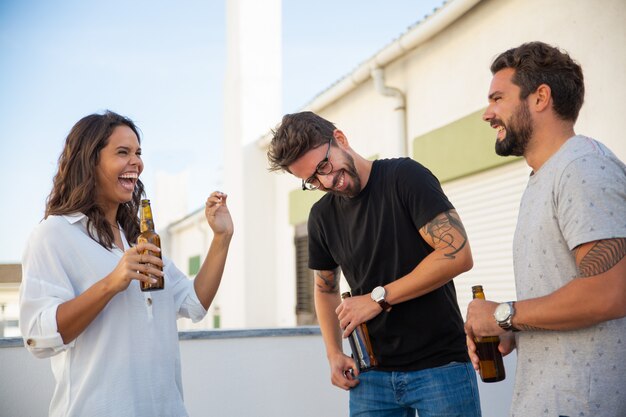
(194, 265)
(305, 306)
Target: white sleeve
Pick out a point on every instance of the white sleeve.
(187, 302)
(44, 287)
(592, 200)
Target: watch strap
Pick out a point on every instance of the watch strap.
(384, 304)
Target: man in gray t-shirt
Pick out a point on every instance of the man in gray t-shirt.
(569, 250)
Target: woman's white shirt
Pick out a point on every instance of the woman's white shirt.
(127, 361)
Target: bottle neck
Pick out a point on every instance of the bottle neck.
(477, 292)
(146, 225)
(146, 219)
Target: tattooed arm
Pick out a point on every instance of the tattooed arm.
(327, 300)
(598, 295)
(451, 257)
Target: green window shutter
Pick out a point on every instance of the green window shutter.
(461, 148)
(194, 265)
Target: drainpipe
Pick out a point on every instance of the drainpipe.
(400, 148)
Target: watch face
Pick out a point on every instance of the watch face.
(502, 313)
(378, 293)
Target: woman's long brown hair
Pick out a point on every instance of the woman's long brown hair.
(74, 185)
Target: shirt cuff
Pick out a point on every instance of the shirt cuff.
(192, 307)
(48, 341)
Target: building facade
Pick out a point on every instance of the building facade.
(423, 96)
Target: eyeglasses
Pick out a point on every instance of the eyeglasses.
(323, 168)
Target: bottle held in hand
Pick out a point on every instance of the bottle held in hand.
(149, 235)
(361, 346)
(491, 366)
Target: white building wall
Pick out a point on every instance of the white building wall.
(260, 288)
(183, 240)
(447, 77)
(366, 118)
(283, 252)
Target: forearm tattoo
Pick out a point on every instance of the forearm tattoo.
(602, 256)
(327, 281)
(527, 327)
(447, 231)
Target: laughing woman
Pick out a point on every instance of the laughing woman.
(114, 349)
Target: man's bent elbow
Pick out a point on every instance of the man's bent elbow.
(469, 264)
(466, 261)
(619, 309)
(612, 307)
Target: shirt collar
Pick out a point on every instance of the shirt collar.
(80, 217)
(74, 217)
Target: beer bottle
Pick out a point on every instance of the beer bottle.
(491, 367)
(361, 346)
(149, 235)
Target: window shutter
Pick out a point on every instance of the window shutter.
(194, 265)
(305, 305)
(488, 203)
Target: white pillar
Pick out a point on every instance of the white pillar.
(252, 106)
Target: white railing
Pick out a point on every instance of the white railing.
(257, 373)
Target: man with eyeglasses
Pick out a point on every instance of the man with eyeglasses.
(390, 228)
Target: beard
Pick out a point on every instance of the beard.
(354, 187)
(518, 132)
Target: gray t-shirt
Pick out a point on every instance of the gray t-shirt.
(577, 196)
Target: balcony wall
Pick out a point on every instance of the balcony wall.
(260, 373)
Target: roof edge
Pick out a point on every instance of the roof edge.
(433, 24)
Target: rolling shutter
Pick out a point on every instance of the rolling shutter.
(305, 305)
(488, 203)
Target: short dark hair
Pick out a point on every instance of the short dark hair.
(296, 135)
(537, 63)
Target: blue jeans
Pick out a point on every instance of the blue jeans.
(446, 391)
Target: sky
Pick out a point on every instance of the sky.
(161, 63)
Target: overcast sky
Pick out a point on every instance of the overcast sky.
(162, 64)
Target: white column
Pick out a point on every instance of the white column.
(252, 106)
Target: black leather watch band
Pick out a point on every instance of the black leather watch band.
(385, 305)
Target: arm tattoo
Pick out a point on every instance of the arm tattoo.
(527, 327)
(602, 256)
(443, 229)
(327, 281)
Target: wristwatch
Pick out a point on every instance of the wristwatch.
(504, 315)
(378, 295)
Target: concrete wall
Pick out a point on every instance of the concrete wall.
(260, 373)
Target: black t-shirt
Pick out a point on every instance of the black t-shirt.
(374, 237)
